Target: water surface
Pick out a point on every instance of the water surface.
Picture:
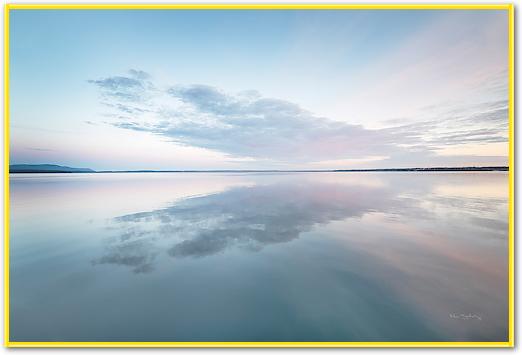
(259, 257)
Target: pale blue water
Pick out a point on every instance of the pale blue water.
(259, 257)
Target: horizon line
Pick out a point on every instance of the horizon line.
(31, 168)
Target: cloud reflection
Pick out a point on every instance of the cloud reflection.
(249, 218)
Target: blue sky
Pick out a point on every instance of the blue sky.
(167, 89)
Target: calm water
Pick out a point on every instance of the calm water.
(259, 257)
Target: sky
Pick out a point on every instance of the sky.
(238, 89)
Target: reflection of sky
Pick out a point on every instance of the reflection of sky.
(260, 257)
(247, 217)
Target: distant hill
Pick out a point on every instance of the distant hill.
(46, 168)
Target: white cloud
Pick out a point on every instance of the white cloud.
(248, 125)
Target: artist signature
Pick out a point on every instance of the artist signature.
(469, 316)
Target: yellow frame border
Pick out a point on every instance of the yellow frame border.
(508, 7)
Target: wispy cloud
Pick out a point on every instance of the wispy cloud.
(40, 149)
(130, 88)
(246, 124)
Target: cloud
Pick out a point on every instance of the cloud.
(131, 88)
(139, 74)
(482, 123)
(40, 149)
(246, 124)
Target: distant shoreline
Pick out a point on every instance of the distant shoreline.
(28, 170)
